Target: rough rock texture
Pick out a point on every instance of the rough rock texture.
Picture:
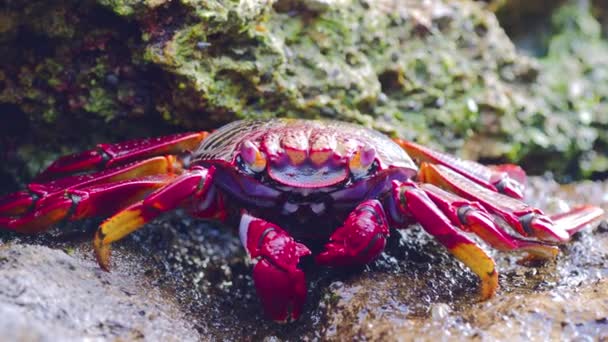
(48, 295)
(562, 300)
(441, 72)
(185, 274)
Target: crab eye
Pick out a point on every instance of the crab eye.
(252, 157)
(363, 162)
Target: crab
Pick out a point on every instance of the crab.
(325, 190)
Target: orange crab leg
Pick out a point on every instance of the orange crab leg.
(507, 179)
(126, 221)
(527, 220)
(471, 216)
(37, 194)
(16, 203)
(414, 202)
(76, 204)
(105, 156)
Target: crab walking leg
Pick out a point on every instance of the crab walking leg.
(37, 194)
(360, 240)
(109, 155)
(577, 218)
(414, 202)
(508, 179)
(76, 204)
(194, 183)
(472, 217)
(527, 220)
(279, 282)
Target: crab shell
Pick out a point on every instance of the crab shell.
(260, 160)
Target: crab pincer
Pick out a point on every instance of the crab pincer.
(280, 283)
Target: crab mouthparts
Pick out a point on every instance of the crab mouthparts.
(307, 175)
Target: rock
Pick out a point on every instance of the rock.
(443, 73)
(564, 300)
(192, 280)
(48, 295)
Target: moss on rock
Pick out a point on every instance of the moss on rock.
(443, 73)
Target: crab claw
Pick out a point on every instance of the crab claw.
(280, 284)
(360, 240)
(282, 292)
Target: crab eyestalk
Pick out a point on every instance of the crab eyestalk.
(362, 160)
(255, 160)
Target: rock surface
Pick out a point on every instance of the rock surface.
(76, 73)
(441, 72)
(48, 295)
(563, 300)
(192, 281)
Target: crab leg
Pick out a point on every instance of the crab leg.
(76, 204)
(279, 282)
(414, 202)
(360, 240)
(194, 183)
(472, 217)
(507, 179)
(109, 155)
(528, 221)
(37, 194)
(577, 218)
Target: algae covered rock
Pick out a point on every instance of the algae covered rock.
(75, 73)
(441, 72)
(573, 88)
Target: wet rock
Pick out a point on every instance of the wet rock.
(48, 295)
(441, 72)
(192, 279)
(561, 300)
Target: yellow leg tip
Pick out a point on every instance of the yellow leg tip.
(115, 228)
(488, 286)
(481, 264)
(102, 251)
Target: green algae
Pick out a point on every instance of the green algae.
(574, 86)
(442, 73)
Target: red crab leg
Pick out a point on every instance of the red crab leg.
(414, 202)
(577, 218)
(194, 183)
(360, 240)
(279, 282)
(37, 193)
(76, 204)
(471, 216)
(527, 220)
(507, 179)
(110, 155)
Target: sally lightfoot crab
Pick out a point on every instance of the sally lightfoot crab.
(287, 183)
